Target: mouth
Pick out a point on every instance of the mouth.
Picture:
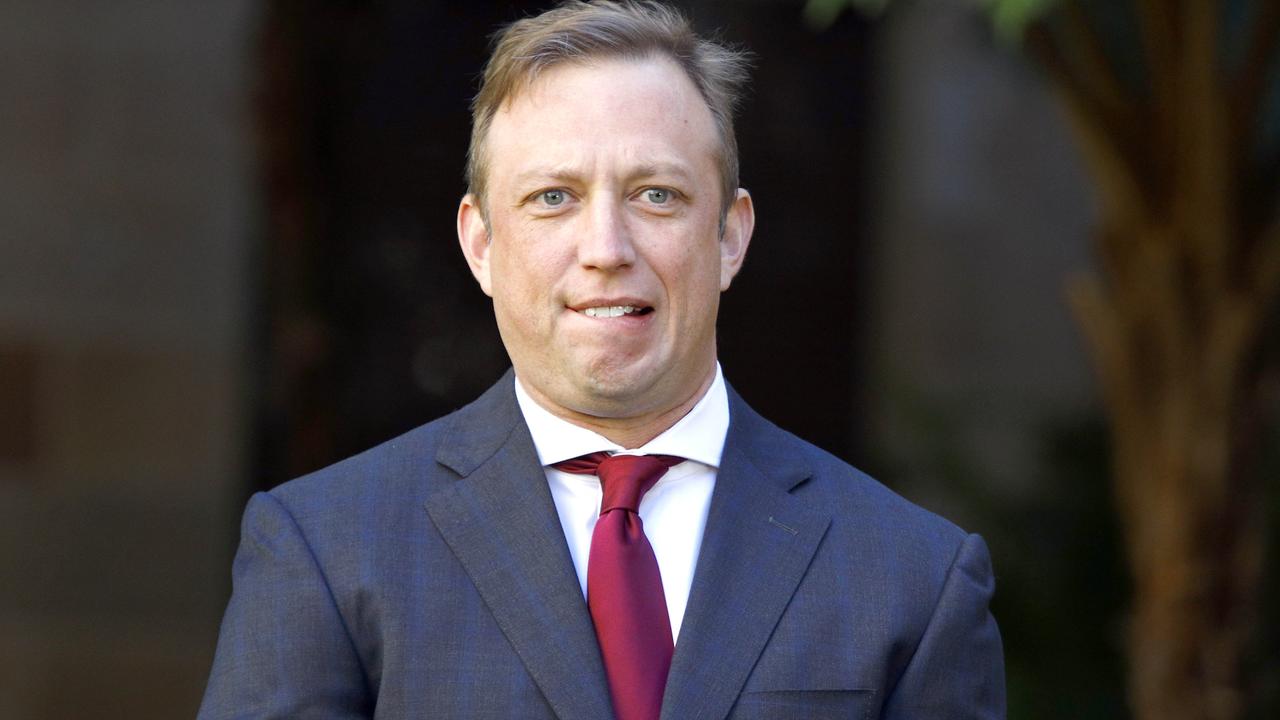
(611, 307)
(613, 311)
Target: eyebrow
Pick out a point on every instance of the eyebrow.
(680, 170)
(570, 174)
(538, 175)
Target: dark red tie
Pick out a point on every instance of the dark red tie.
(624, 587)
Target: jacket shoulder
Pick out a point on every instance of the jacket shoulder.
(388, 468)
(415, 463)
(859, 504)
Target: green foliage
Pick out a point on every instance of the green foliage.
(1009, 17)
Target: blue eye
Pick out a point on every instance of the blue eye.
(657, 196)
(552, 198)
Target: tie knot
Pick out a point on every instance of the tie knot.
(626, 478)
(623, 478)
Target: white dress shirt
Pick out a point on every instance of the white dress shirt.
(674, 511)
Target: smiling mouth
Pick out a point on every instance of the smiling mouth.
(613, 311)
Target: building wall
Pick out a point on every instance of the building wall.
(124, 217)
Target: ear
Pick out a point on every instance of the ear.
(738, 224)
(473, 235)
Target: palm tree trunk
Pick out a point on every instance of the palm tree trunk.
(1189, 271)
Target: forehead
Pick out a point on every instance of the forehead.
(582, 113)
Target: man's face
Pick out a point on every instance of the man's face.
(602, 252)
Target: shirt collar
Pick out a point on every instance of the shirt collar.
(698, 436)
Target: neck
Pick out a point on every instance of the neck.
(629, 432)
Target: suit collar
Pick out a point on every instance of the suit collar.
(478, 431)
(776, 454)
(501, 523)
(759, 542)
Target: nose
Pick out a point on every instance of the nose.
(605, 242)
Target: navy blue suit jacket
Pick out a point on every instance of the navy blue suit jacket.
(429, 578)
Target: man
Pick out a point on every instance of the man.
(492, 564)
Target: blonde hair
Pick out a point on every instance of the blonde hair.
(576, 31)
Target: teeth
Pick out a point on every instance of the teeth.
(611, 311)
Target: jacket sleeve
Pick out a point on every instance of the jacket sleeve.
(957, 670)
(284, 650)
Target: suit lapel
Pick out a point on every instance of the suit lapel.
(757, 546)
(501, 522)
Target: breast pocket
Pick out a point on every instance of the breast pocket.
(804, 705)
(788, 685)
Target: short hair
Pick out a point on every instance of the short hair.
(577, 31)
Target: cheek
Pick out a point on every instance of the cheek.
(697, 269)
(527, 269)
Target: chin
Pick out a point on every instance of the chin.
(612, 390)
(617, 393)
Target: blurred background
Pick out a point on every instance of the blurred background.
(227, 258)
